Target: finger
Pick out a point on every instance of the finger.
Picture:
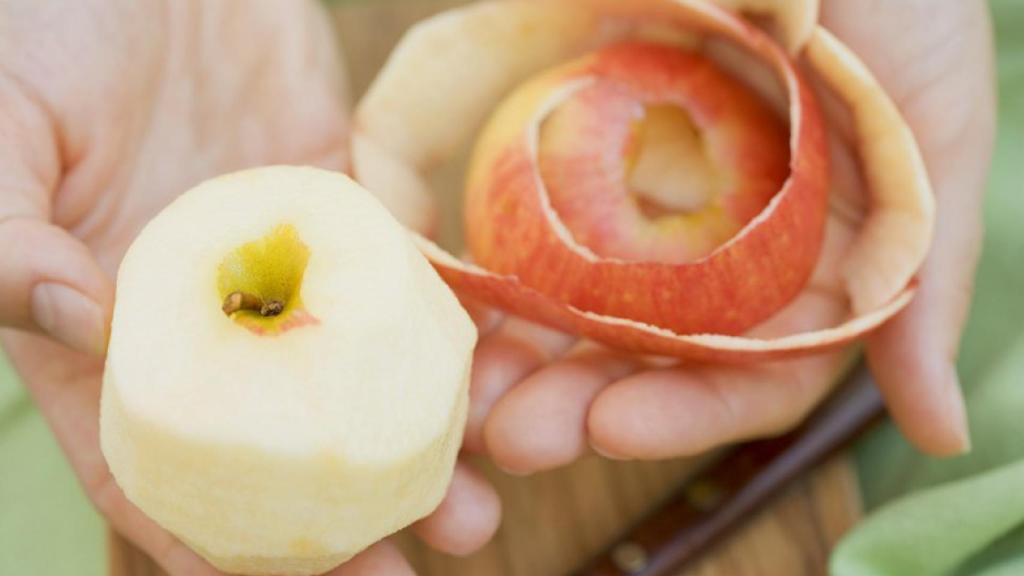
(502, 358)
(914, 356)
(168, 552)
(49, 281)
(468, 516)
(381, 559)
(690, 409)
(681, 411)
(541, 423)
(944, 86)
(486, 318)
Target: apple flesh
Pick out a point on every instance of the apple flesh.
(287, 375)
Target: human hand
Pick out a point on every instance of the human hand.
(541, 398)
(108, 110)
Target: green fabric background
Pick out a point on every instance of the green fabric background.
(963, 516)
(47, 527)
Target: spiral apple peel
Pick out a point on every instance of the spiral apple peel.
(578, 217)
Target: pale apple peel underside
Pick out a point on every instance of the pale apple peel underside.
(897, 231)
(441, 82)
(431, 97)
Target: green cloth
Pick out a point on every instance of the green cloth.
(965, 515)
(47, 526)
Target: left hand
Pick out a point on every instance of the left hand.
(541, 399)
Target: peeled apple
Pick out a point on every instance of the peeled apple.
(286, 380)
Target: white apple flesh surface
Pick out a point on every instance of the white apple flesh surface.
(283, 442)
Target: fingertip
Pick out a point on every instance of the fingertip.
(484, 317)
(669, 413)
(959, 442)
(468, 516)
(953, 438)
(381, 558)
(502, 359)
(924, 398)
(913, 359)
(630, 419)
(940, 428)
(179, 559)
(511, 444)
(69, 317)
(499, 362)
(603, 434)
(541, 424)
(53, 285)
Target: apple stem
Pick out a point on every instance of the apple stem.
(239, 300)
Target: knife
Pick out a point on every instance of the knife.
(717, 499)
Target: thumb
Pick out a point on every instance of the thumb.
(944, 85)
(49, 280)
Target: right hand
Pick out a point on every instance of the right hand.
(108, 110)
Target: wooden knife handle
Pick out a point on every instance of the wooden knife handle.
(717, 499)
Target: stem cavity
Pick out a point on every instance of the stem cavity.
(239, 300)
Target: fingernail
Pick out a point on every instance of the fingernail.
(69, 316)
(609, 455)
(512, 471)
(958, 414)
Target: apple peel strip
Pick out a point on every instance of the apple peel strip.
(509, 294)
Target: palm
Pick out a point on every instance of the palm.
(187, 91)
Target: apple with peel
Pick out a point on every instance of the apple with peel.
(287, 376)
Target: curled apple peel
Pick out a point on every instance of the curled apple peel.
(513, 227)
(558, 215)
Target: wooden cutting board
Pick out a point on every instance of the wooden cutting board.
(556, 520)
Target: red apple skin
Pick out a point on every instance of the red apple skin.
(507, 293)
(740, 284)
